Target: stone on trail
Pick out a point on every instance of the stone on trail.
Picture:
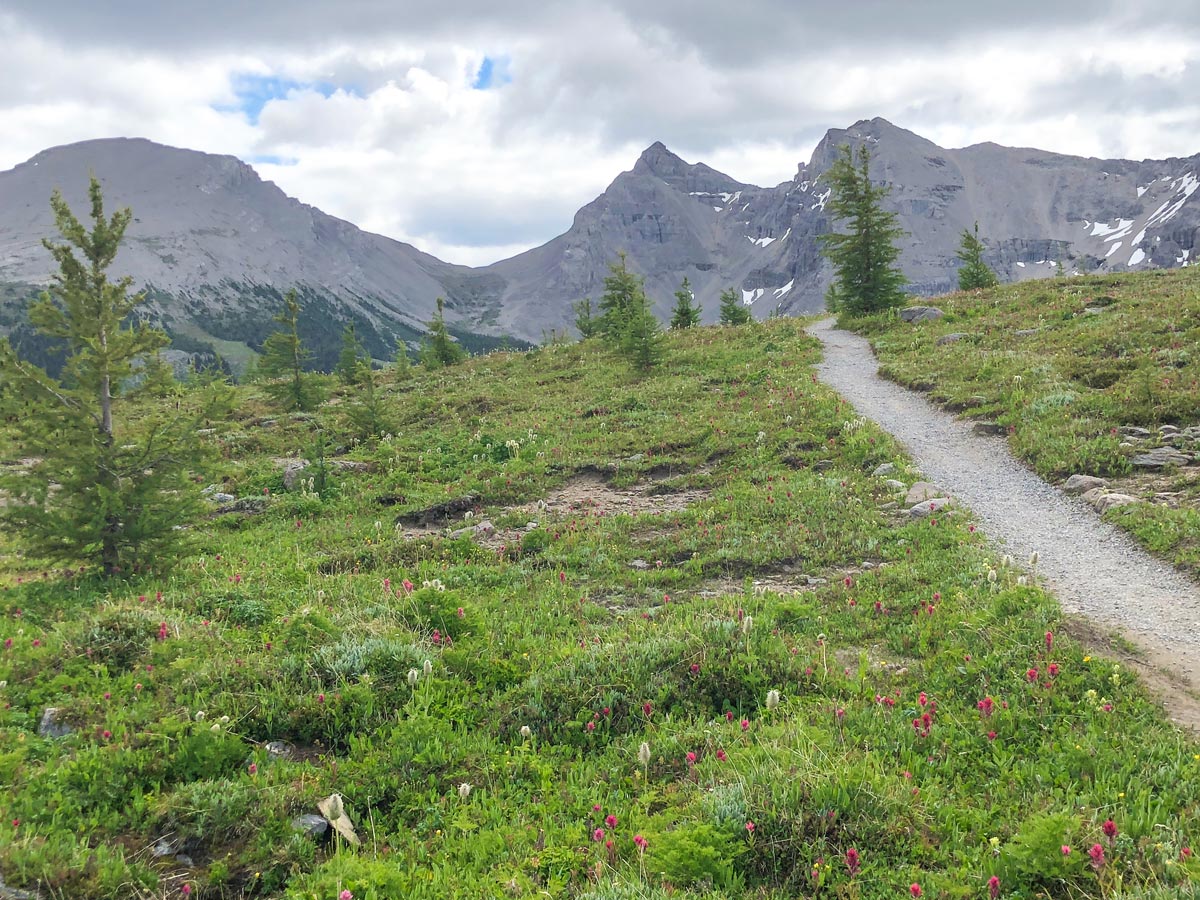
(922, 490)
(930, 506)
(920, 314)
(1081, 484)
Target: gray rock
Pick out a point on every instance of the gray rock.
(1081, 484)
(1026, 332)
(1167, 430)
(815, 581)
(52, 725)
(989, 428)
(184, 860)
(1106, 501)
(922, 490)
(483, 529)
(884, 469)
(894, 485)
(293, 471)
(639, 564)
(279, 750)
(1160, 458)
(164, 847)
(920, 314)
(1133, 431)
(247, 505)
(952, 338)
(219, 497)
(930, 506)
(311, 824)
(12, 893)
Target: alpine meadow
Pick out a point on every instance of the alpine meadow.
(649, 614)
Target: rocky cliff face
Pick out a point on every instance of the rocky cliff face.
(218, 245)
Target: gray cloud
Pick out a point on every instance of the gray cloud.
(405, 146)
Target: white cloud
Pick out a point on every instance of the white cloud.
(379, 117)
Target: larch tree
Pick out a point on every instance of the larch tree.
(109, 475)
(974, 272)
(283, 359)
(866, 278)
(733, 310)
(686, 313)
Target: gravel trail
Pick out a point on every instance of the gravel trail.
(1096, 571)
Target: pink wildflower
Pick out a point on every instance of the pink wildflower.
(852, 862)
(598, 835)
(610, 820)
(914, 889)
(994, 887)
(1097, 855)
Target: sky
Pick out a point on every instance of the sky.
(475, 129)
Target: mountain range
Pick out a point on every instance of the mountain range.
(216, 247)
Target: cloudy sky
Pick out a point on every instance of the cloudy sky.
(474, 128)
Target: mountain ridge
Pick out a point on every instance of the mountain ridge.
(217, 244)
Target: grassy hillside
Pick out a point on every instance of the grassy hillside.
(1071, 367)
(698, 653)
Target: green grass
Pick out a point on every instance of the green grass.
(552, 659)
(1099, 353)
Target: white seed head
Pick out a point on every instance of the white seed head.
(1007, 561)
(199, 715)
(747, 624)
(413, 677)
(644, 754)
(215, 727)
(224, 720)
(526, 732)
(991, 576)
(772, 699)
(464, 791)
(1033, 558)
(1022, 581)
(428, 667)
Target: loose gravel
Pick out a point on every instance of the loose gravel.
(1095, 569)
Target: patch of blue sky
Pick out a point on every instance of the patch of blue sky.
(256, 91)
(270, 159)
(493, 72)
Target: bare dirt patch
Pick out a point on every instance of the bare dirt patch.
(590, 493)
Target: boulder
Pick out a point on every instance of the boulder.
(1133, 431)
(920, 314)
(311, 824)
(930, 506)
(894, 485)
(52, 725)
(952, 338)
(484, 529)
(1105, 501)
(1081, 484)
(884, 469)
(1160, 458)
(988, 428)
(922, 490)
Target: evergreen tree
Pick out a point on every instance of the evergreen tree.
(686, 313)
(587, 323)
(401, 364)
(641, 340)
(352, 353)
(974, 272)
(105, 487)
(367, 412)
(866, 278)
(439, 348)
(623, 294)
(283, 359)
(733, 310)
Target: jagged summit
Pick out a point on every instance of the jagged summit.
(215, 240)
